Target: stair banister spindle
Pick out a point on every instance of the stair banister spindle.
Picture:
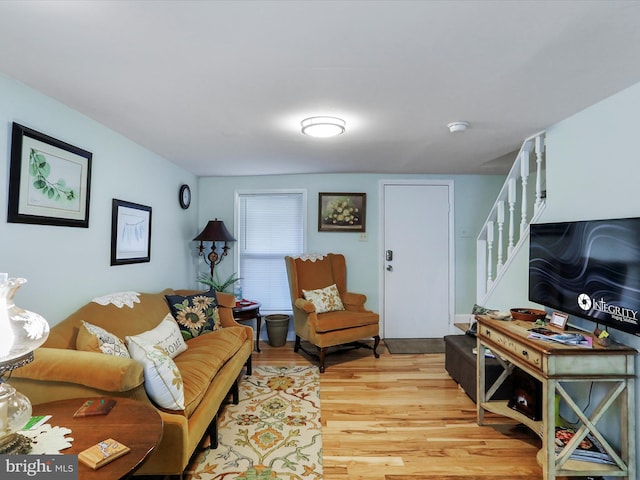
(512, 206)
(539, 152)
(500, 227)
(524, 173)
(489, 253)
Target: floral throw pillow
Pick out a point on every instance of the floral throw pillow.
(325, 299)
(195, 314)
(162, 379)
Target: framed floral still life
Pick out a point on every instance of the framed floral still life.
(130, 233)
(341, 212)
(49, 180)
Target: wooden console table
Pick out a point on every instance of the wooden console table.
(556, 365)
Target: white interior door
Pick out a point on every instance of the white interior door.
(417, 250)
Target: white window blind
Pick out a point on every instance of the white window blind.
(271, 225)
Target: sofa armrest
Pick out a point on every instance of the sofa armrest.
(95, 370)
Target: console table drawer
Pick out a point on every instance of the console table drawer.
(520, 350)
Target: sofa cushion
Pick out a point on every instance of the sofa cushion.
(92, 338)
(162, 378)
(166, 335)
(324, 299)
(204, 357)
(196, 314)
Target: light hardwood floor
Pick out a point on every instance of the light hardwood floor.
(401, 417)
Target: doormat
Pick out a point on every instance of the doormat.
(414, 345)
(273, 432)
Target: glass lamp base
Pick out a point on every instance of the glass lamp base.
(14, 444)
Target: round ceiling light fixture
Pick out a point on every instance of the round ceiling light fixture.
(457, 127)
(323, 127)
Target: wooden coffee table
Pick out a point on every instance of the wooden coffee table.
(135, 424)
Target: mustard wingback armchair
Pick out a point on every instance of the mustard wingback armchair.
(331, 328)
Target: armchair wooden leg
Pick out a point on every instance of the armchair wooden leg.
(375, 346)
(322, 353)
(296, 346)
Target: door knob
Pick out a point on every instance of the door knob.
(389, 268)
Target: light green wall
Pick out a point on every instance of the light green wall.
(474, 196)
(65, 266)
(68, 266)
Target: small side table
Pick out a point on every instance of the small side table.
(249, 312)
(135, 424)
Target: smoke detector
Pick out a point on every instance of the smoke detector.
(460, 126)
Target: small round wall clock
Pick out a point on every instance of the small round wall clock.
(185, 196)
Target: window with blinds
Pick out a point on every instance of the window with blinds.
(270, 226)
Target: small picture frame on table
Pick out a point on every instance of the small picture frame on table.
(559, 320)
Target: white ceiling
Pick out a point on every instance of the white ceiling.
(220, 87)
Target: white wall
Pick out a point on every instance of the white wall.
(474, 196)
(66, 266)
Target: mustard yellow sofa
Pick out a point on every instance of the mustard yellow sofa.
(210, 367)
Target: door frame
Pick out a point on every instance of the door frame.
(381, 228)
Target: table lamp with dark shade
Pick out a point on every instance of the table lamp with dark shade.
(215, 231)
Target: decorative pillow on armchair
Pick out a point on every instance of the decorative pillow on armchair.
(324, 299)
(195, 314)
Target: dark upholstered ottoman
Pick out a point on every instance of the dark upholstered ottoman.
(460, 363)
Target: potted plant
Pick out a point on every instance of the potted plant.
(214, 282)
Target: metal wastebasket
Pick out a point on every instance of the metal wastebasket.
(277, 328)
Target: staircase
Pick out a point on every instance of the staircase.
(506, 228)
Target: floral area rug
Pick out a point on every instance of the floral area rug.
(274, 433)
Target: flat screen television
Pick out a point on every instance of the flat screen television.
(590, 269)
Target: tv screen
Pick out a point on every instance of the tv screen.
(590, 269)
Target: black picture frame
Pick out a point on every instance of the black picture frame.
(49, 180)
(130, 233)
(342, 212)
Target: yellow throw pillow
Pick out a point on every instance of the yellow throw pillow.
(325, 299)
(92, 338)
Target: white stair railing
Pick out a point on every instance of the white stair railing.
(493, 256)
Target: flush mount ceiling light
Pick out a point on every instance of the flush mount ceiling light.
(323, 127)
(457, 127)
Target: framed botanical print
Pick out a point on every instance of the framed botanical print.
(49, 180)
